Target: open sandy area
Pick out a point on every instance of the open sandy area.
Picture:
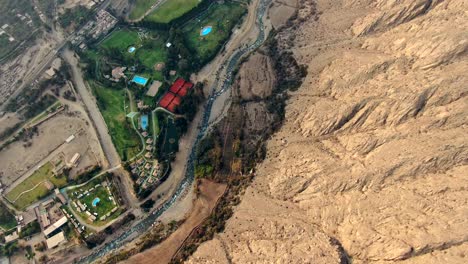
(210, 192)
(17, 159)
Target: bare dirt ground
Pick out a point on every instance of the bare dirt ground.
(256, 77)
(68, 4)
(281, 11)
(8, 120)
(210, 192)
(16, 159)
(370, 164)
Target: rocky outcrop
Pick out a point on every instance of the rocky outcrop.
(372, 159)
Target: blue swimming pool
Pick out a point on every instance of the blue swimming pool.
(139, 80)
(131, 49)
(206, 30)
(144, 122)
(96, 201)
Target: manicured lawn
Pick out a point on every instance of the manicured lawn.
(103, 207)
(7, 219)
(171, 9)
(111, 104)
(140, 7)
(36, 180)
(223, 18)
(121, 39)
(149, 57)
(155, 125)
(171, 138)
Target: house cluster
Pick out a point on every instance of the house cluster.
(117, 74)
(146, 172)
(101, 25)
(51, 218)
(78, 227)
(80, 206)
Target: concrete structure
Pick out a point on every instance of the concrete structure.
(74, 159)
(55, 240)
(10, 238)
(50, 72)
(70, 138)
(60, 196)
(118, 72)
(55, 226)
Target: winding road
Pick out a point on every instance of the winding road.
(217, 90)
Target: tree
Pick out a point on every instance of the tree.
(29, 252)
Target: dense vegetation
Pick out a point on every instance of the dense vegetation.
(111, 102)
(75, 17)
(7, 220)
(30, 229)
(247, 148)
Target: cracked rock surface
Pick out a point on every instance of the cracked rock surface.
(371, 163)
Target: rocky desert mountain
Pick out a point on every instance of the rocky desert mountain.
(371, 163)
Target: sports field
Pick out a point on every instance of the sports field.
(111, 102)
(171, 9)
(7, 220)
(222, 18)
(140, 7)
(35, 187)
(121, 40)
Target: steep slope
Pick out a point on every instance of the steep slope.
(371, 163)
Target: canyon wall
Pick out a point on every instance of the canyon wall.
(371, 163)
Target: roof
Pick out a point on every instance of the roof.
(55, 225)
(166, 100)
(184, 90)
(14, 236)
(176, 100)
(171, 107)
(55, 240)
(177, 85)
(154, 88)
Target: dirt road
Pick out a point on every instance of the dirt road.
(93, 111)
(210, 192)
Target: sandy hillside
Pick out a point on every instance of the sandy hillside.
(372, 161)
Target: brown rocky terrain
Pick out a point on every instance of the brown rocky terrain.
(371, 163)
(254, 83)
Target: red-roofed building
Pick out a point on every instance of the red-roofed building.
(184, 90)
(173, 97)
(166, 100)
(177, 100)
(177, 85)
(171, 107)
